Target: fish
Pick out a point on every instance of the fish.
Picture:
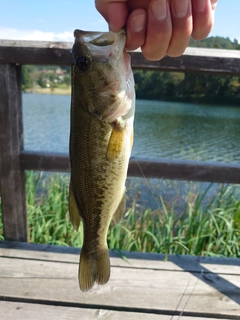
(101, 139)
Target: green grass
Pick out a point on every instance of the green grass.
(47, 204)
(209, 229)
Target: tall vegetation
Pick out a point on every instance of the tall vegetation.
(209, 228)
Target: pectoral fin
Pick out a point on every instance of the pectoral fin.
(73, 209)
(120, 210)
(115, 144)
(131, 138)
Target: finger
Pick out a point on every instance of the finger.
(138, 4)
(214, 4)
(182, 27)
(202, 18)
(136, 29)
(114, 12)
(159, 30)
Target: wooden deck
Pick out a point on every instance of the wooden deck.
(40, 282)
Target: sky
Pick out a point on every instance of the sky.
(55, 20)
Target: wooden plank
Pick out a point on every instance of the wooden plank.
(45, 161)
(27, 311)
(211, 52)
(138, 290)
(204, 60)
(185, 170)
(140, 260)
(35, 52)
(12, 178)
(58, 53)
(190, 51)
(31, 44)
(143, 292)
(147, 168)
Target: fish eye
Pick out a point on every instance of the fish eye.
(83, 63)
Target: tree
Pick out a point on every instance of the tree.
(26, 79)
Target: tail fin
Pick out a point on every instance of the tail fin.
(93, 268)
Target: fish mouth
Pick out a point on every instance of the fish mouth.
(102, 45)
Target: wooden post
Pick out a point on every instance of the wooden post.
(12, 178)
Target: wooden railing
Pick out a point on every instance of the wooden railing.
(14, 160)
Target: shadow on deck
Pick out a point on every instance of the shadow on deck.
(41, 280)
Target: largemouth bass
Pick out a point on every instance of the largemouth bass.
(101, 138)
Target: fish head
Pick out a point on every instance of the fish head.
(102, 77)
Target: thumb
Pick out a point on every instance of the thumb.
(114, 12)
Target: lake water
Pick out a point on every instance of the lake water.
(162, 129)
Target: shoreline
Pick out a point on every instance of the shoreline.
(211, 100)
(58, 91)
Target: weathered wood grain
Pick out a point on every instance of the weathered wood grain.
(179, 266)
(204, 60)
(27, 311)
(185, 170)
(12, 179)
(127, 290)
(12, 249)
(58, 53)
(35, 52)
(45, 161)
(147, 168)
(133, 289)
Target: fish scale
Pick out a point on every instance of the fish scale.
(101, 134)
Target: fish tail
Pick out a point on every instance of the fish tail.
(93, 268)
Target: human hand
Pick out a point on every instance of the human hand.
(159, 27)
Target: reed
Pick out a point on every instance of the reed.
(209, 228)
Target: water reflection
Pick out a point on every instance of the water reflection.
(162, 129)
(185, 131)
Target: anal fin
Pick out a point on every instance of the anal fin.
(73, 209)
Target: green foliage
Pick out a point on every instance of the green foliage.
(67, 80)
(48, 218)
(187, 87)
(45, 76)
(216, 42)
(27, 82)
(211, 229)
(156, 85)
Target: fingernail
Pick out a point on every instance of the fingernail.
(138, 22)
(181, 8)
(201, 5)
(159, 9)
(214, 4)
